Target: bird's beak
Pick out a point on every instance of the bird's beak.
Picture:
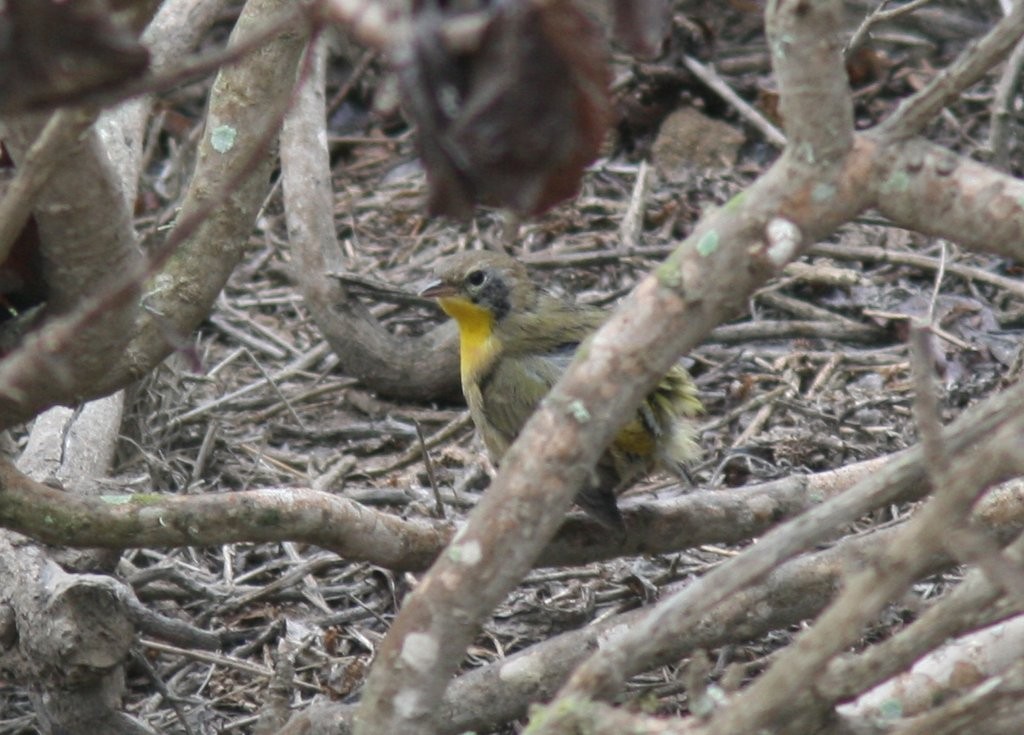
(437, 289)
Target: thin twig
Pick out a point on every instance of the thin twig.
(270, 381)
(633, 221)
(158, 683)
(879, 15)
(917, 260)
(1002, 108)
(937, 287)
(429, 463)
(711, 78)
(220, 660)
(353, 78)
(312, 357)
(453, 427)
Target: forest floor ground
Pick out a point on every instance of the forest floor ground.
(814, 376)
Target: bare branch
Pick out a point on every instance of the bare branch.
(484, 699)
(993, 707)
(732, 250)
(88, 244)
(866, 592)
(219, 209)
(876, 16)
(1002, 114)
(365, 349)
(915, 112)
(631, 654)
(814, 99)
(122, 521)
(991, 654)
(932, 190)
(750, 113)
(35, 168)
(968, 606)
(63, 644)
(174, 31)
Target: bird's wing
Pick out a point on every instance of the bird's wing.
(516, 385)
(511, 393)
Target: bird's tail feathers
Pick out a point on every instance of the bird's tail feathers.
(669, 411)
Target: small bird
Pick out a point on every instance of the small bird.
(516, 340)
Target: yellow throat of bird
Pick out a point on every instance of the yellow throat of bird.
(478, 345)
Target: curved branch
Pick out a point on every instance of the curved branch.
(972, 604)
(227, 189)
(605, 672)
(36, 163)
(425, 368)
(174, 31)
(87, 242)
(233, 168)
(122, 521)
(894, 567)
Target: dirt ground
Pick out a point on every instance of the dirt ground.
(814, 376)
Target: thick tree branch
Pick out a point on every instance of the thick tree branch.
(75, 448)
(605, 673)
(69, 634)
(993, 707)
(971, 605)
(888, 574)
(87, 243)
(419, 369)
(228, 187)
(37, 163)
(123, 521)
(233, 166)
(814, 100)
(927, 188)
(174, 31)
(147, 519)
(814, 187)
(486, 698)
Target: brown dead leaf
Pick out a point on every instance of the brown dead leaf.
(511, 102)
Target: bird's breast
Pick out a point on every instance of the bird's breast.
(477, 354)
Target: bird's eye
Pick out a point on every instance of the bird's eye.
(475, 278)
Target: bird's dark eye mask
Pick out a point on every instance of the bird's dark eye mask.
(493, 295)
